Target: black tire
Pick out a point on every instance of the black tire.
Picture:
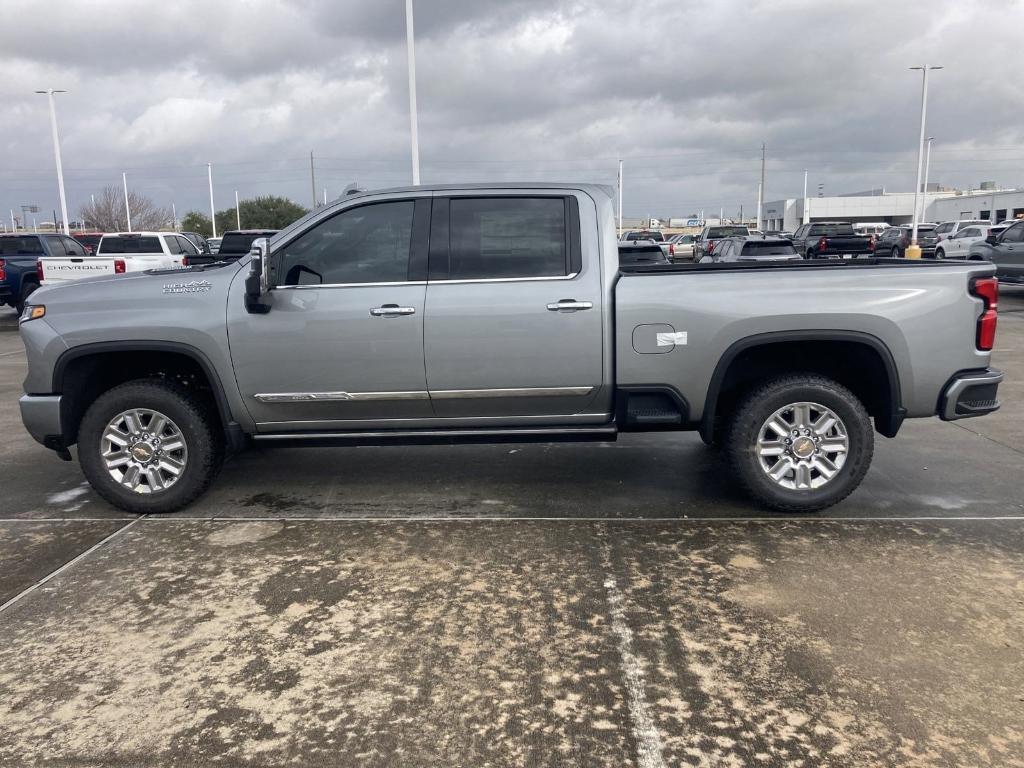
(755, 409)
(192, 415)
(895, 254)
(27, 289)
(940, 253)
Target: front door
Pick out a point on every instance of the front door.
(514, 317)
(343, 341)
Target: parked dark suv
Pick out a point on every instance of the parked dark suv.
(233, 246)
(895, 240)
(18, 256)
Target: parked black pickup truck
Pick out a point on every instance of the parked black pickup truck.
(832, 240)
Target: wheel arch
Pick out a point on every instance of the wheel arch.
(136, 359)
(740, 366)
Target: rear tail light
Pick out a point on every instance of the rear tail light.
(987, 289)
(711, 246)
(3, 269)
(671, 249)
(872, 242)
(39, 270)
(184, 261)
(119, 266)
(823, 244)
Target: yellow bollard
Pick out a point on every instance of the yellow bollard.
(912, 252)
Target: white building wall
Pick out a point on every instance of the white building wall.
(1008, 205)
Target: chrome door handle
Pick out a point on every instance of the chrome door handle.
(569, 305)
(392, 310)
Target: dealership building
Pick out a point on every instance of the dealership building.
(878, 205)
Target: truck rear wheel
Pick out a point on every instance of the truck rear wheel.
(149, 446)
(800, 443)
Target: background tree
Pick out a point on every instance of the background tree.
(194, 221)
(269, 212)
(107, 213)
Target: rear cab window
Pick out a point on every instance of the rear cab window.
(832, 230)
(120, 244)
(720, 232)
(20, 246)
(757, 248)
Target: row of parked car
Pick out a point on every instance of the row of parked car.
(1002, 244)
(30, 260)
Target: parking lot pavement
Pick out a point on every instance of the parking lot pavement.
(535, 643)
(360, 606)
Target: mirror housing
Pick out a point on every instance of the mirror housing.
(257, 284)
(992, 239)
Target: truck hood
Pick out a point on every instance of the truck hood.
(133, 287)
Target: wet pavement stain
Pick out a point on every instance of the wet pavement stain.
(521, 644)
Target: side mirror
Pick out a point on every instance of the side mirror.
(992, 239)
(257, 284)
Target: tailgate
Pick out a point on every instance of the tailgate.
(57, 269)
(849, 244)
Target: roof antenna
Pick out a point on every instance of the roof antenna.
(353, 189)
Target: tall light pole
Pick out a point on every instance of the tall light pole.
(914, 250)
(927, 167)
(127, 210)
(213, 212)
(413, 122)
(238, 212)
(807, 201)
(56, 152)
(620, 198)
(174, 218)
(758, 227)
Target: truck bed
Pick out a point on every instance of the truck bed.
(678, 323)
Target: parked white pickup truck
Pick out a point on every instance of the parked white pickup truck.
(118, 253)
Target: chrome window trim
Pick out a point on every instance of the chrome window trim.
(334, 397)
(504, 279)
(350, 285)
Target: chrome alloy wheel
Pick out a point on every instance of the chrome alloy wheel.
(802, 446)
(143, 450)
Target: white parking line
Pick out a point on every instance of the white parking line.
(67, 565)
(645, 732)
(493, 519)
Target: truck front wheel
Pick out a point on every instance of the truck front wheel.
(800, 443)
(149, 446)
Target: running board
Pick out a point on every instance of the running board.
(445, 436)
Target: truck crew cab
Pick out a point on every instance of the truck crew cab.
(499, 313)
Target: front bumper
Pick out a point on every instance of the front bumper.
(41, 417)
(970, 393)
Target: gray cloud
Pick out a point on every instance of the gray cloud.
(685, 91)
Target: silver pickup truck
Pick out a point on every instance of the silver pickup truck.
(499, 314)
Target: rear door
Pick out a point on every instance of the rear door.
(1008, 253)
(514, 312)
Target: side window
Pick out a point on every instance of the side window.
(173, 246)
(1014, 234)
(73, 247)
(800, 231)
(187, 246)
(943, 228)
(366, 244)
(495, 237)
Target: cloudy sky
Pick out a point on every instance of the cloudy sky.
(685, 91)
